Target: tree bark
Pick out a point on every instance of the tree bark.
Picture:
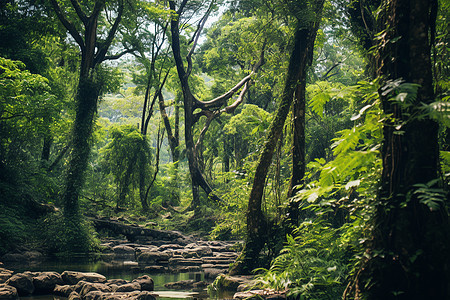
(410, 239)
(208, 108)
(93, 52)
(256, 221)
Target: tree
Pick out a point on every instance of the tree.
(211, 109)
(94, 47)
(407, 254)
(305, 34)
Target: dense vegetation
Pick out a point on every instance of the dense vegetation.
(315, 131)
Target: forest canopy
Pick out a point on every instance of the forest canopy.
(314, 131)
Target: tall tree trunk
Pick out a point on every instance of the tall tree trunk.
(410, 245)
(88, 92)
(256, 222)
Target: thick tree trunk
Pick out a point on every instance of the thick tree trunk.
(88, 92)
(298, 152)
(411, 240)
(256, 222)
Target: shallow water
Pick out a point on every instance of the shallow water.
(111, 271)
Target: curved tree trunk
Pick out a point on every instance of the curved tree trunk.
(256, 222)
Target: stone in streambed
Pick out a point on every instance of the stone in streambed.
(71, 277)
(8, 292)
(146, 283)
(45, 282)
(23, 283)
(63, 290)
(5, 274)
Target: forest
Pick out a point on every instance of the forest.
(314, 132)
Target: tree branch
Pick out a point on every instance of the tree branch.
(68, 25)
(196, 36)
(107, 43)
(119, 55)
(79, 11)
(219, 101)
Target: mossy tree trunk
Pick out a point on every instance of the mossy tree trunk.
(93, 52)
(256, 221)
(408, 253)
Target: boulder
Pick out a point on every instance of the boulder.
(46, 282)
(33, 255)
(146, 283)
(124, 252)
(94, 295)
(71, 278)
(23, 283)
(116, 281)
(129, 287)
(152, 257)
(180, 285)
(8, 292)
(212, 273)
(198, 251)
(170, 246)
(185, 269)
(232, 283)
(63, 290)
(145, 295)
(174, 261)
(84, 287)
(74, 296)
(199, 285)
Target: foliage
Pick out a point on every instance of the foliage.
(336, 205)
(122, 157)
(312, 264)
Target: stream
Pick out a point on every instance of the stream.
(116, 271)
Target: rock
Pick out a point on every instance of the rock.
(180, 285)
(174, 261)
(129, 287)
(5, 274)
(71, 277)
(199, 285)
(84, 287)
(46, 282)
(94, 295)
(74, 296)
(215, 266)
(124, 252)
(185, 269)
(145, 295)
(23, 283)
(146, 283)
(211, 273)
(8, 292)
(63, 290)
(231, 283)
(33, 255)
(170, 246)
(196, 251)
(152, 257)
(116, 281)
(218, 260)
